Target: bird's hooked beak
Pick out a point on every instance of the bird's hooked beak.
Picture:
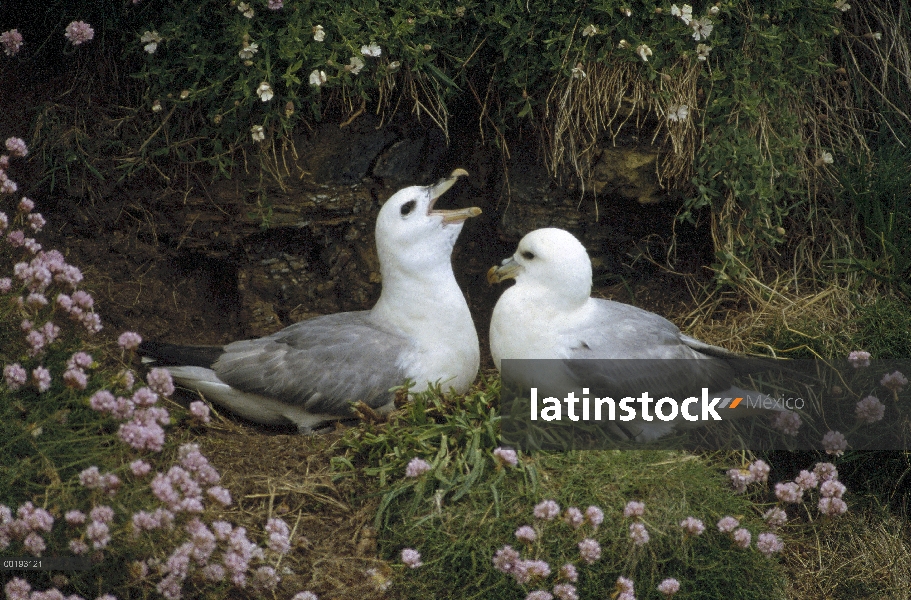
(440, 188)
(508, 270)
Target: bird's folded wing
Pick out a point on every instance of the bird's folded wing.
(640, 351)
(322, 364)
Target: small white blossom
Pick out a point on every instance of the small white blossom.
(264, 91)
(842, 5)
(702, 51)
(627, 12)
(685, 13)
(643, 51)
(824, 159)
(714, 10)
(394, 66)
(318, 34)
(246, 9)
(257, 132)
(578, 73)
(317, 78)
(371, 50)
(590, 30)
(150, 39)
(249, 49)
(156, 106)
(354, 67)
(677, 113)
(701, 28)
(623, 44)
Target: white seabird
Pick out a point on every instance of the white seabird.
(549, 314)
(309, 373)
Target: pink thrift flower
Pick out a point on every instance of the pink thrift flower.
(859, 359)
(894, 381)
(505, 559)
(144, 397)
(806, 480)
(279, 536)
(305, 596)
(36, 222)
(832, 488)
(870, 410)
(625, 585)
(15, 376)
(526, 533)
(220, 495)
(99, 534)
(129, 340)
(787, 422)
(506, 456)
(75, 378)
(416, 467)
(213, 572)
(78, 547)
(11, 41)
(160, 381)
(832, 506)
(569, 572)
(566, 591)
(110, 483)
(790, 492)
(594, 516)
(140, 468)
(6, 284)
(102, 514)
(200, 412)
(728, 524)
(42, 379)
(573, 517)
(634, 509)
(265, 578)
(547, 510)
(769, 544)
(760, 469)
(276, 4)
(775, 517)
(539, 595)
(742, 538)
(81, 360)
(90, 478)
(669, 587)
(639, 534)
(825, 471)
(692, 526)
(740, 479)
(79, 32)
(411, 558)
(74, 517)
(589, 550)
(16, 146)
(834, 443)
(34, 543)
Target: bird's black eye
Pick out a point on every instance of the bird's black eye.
(408, 207)
(528, 255)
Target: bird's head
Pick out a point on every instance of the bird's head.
(410, 232)
(553, 262)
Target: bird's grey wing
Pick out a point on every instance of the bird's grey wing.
(321, 364)
(640, 351)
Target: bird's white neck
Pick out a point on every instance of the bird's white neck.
(406, 303)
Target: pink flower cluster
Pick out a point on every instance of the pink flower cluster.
(870, 410)
(834, 443)
(11, 41)
(411, 558)
(30, 521)
(416, 467)
(79, 32)
(506, 456)
(547, 510)
(692, 526)
(756, 472)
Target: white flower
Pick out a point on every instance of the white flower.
(371, 50)
(643, 51)
(394, 66)
(317, 78)
(627, 12)
(623, 44)
(842, 5)
(677, 113)
(245, 9)
(824, 159)
(703, 51)
(578, 73)
(701, 28)
(264, 91)
(257, 132)
(184, 94)
(156, 106)
(876, 36)
(685, 13)
(318, 34)
(249, 49)
(714, 10)
(590, 30)
(150, 39)
(355, 65)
